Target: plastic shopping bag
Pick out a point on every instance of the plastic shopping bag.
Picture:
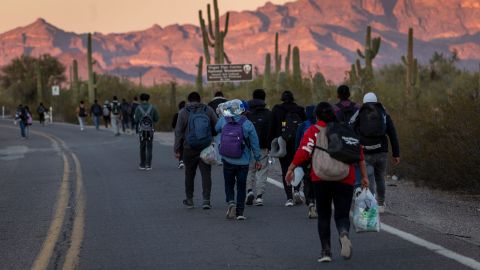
(365, 213)
(210, 155)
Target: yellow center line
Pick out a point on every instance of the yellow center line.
(71, 259)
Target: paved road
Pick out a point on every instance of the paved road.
(71, 199)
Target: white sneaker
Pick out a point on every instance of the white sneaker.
(297, 198)
(289, 203)
(249, 199)
(241, 217)
(325, 257)
(231, 211)
(312, 211)
(259, 201)
(346, 251)
(381, 208)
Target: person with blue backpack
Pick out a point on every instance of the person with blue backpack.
(194, 131)
(306, 167)
(237, 142)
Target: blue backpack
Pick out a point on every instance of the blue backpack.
(232, 140)
(199, 129)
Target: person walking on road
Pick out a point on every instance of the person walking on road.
(345, 108)
(125, 115)
(81, 114)
(286, 117)
(133, 107)
(261, 118)
(339, 193)
(217, 100)
(106, 113)
(195, 131)
(115, 115)
(373, 124)
(146, 116)
(21, 118)
(96, 113)
(41, 110)
(181, 105)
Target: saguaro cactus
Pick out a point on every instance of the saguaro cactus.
(287, 60)
(297, 71)
(199, 79)
(278, 57)
(91, 83)
(38, 74)
(267, 75)
(319, 87)
(214, 37)
(75, 82)
(411, 65)
(173, 96)
(372, 46)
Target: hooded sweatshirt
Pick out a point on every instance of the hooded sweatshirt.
(257, 107)
(181, 130)
(279, 113)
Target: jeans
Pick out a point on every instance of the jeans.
(145, 153)
(116, 124)
(191, 159)
(258, 178)
(378, 162)
(235, 174)
(81, 121)
(125, 123)
(96, 121)
(341, 195)
(22, 125)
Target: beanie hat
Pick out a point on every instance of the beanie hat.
(370, 97)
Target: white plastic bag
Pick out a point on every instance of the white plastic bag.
(210, 155)
(365, 212)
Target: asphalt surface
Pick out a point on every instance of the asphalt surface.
(123, 218)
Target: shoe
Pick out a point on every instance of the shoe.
(346, 251)
(325, 257)
(297, 198)
(206, 205)
(312, 211)
(241, 217)
(148, 168)
(249, 199)
(259, 201)
(231, 211)
(289, 203)
(141, 168)
(381, 208)
(188, 203)
(181, 165)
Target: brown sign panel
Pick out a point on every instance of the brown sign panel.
(229, 73)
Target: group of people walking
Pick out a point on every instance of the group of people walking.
(247, 135)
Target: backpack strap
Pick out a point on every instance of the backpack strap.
(141, 110)
(316, 146)
(150, 107)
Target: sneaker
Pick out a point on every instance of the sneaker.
(241, 217)
(181, 165)
(297, 198)
(231, 211)
(346, 251)
(312, 211)
(148, 168)
(289, 203)
(141, 168)
(206, 205)
(326, 257)
(188, 203)
(381, 208)
(259, 201)
(249, 199)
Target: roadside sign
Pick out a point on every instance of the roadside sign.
(229, 73)
(55, 90)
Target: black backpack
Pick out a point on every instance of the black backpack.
(372, 120)
(261, 121)
(343, 143)
(346, 112)
(115, 107)
(290, 125)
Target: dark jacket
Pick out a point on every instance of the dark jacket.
(378, 145)
(215, 102)
(259, 106)
(311, 120)
(174, 120)
(138, 113)
(181, 130)
(96, 110)
(279, 113)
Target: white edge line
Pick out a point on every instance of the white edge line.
(416, 240)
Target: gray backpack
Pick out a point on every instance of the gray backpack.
(324, 166)
(145, 125)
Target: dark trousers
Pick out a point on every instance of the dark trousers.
(106, 120)
(192, 160)
(235, 174)
(341, 195)
(145, 152)
(284, 163)
(41, 118)
(308, 188)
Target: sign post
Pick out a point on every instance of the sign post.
(55, 90)
(229, 73)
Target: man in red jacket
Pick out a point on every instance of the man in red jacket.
(326, 192)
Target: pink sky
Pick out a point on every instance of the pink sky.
(112, 15)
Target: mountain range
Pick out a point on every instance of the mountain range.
(328, 33)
